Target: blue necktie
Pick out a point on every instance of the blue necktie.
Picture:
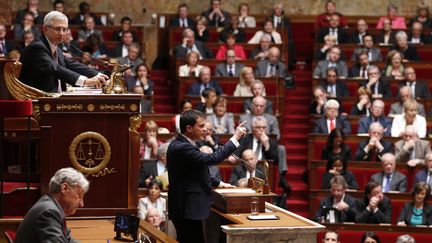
(387, 187)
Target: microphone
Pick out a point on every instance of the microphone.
(248, 166)
(126, 68)
(94, 60)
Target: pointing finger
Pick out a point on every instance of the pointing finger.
(242, 123)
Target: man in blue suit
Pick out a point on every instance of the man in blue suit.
(204, 82)
(376, 115)
(190, 187)
(426, 174)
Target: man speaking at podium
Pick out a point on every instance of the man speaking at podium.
(189, 193)
(46, 68)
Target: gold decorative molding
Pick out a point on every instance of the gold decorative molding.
(112, 107)
(134, 123)
(133, 107)
(62, 107)
(47, 107)
(90, 107)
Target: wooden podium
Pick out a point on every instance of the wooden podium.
(97, 135)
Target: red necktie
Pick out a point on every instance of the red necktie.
(332, 125)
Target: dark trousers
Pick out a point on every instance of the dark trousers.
(189, 231)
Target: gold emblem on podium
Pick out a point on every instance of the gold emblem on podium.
(90, 153)
(90, 107)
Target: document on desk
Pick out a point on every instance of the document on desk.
(236, 191)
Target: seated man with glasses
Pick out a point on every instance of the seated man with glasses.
(46, 68)
(380, 87)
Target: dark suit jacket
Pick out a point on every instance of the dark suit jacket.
(117, 35)
(39, 69)
(345, 153)
(320, 125)
(365, 122)
(423, 38)
(190, 187)
(421, 176)
(341, 88)
(383, 87)
(194, 89)
(175, 22)
(360, 154)
(247, 143)
(355, 110)
(398, 181)
(346, 216)
(349, 178)
(8, 46)
(117, 51)
(217, 22)
(261, 69)
(78, 21)
(147, 169)
(240, 36)
(19, 17)
(44, 222)
(421, 89)
(247, 106)
(221, 69)
(355, 38)
(205, 52)
(410, 53)
(383, 215)
(380, 38)
(131, 83)
(342, 35)
(239, 172)
(407, 212)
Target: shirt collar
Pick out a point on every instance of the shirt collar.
(53, 47)
(188, 139)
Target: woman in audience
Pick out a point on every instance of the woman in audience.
(141, 80)
(223, 121)
(387, 35)
(27, 25)
(329, 42)
(231, 44)
(370, 237)
(409, 52)
(268, 29)
(245, 20)
(397, 22)
(95, 47)
(201, 31)
(417, 212)
(185, 105)
(364, 102)
(336, 146)
(423, 16)
(233, 29)
(408, 117)
(338, 166)
(191, 68)
(394, 68)
(153, 200)
(149, 143)
(257, 89)
(246, 79)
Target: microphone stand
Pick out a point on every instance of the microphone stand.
(93, 59)
(266, 188)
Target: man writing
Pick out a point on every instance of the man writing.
(46, 68)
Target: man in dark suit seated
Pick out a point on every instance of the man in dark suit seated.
(229, 68)
(5, 45)
(375, 207)
(373, 53)
(409, 52)
(209, 95)
(339, 200)
(375, 146)
(190, 44)
(242, 172)
(334, 29)
(45, 221)
(257, 89)
(357, 36)
(404, 94)
(215, 15)
(32, 7)
(44, 65)
(272, 66)
(189, 192)
(419, 89)
(182, 19)
(84, 10)
(378, 85)
(150, 170)
(360, 68)
(416, 36)
(389, 178)
(261, 52)
(376, 115)
(331, 120)
(126, 23)
(204, 82)
(425, 175)
(121, 50)
(333, 61)
(411, 149)
(333, 85)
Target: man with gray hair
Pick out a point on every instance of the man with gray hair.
(411, 149)
(380, 87)
(389, 178)
(405, 93)
(190, 44)
(409, 52)
(405, 239)
(375, 146)
(376, 115)
(45, 67)
(331, 120)
(45, 221)
(150, 169)
(419, 89)
(261, 52)
(272, 66)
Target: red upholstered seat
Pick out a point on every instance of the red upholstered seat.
(15, 108)
(10, 235)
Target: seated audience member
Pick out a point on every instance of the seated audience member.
(238, 51)
(405, 239)
(409, 52)
(121, 50)
(46, 220)
(132, 59)
(182, 19)
(28, 38)
(338, 166)
(245, 20)
(373, 53)
(279, 18)
(333, 61)
(223, 121)
(364, 102)
(387, 35)
(234, 30)
(376, 115)
(370, 237)
(409, 117)
(192, 68)
(425, 175)
(149, 170)
(58, 5)
(389, 178)
(89, 29)
(190, 44)
(257, 89)
(216, 16)
(333, 85)
(141, 80)
(416, 36)
(229, 68)
(261, 52)
(153, 200)
(210, 143)
(419, 89)
(84, 10)
(331, 237)
(422, 16)
(358, 35)
(33, 8)
(246, 79)
(375, 146)
(322, 53)
(394, 68)
(378, 85)
(200, 29)
(14, 55)
(27, 24)
(343, 203)
(397, 22)
(209, 95)
(405, 94)
(5, 45)
(149, 143)
(126, 24)
(418, 211)
(247, 170)
(322, 20)
(153, 216)
(319, 100)
(204, 82)
(95, 47)
(326, 124)
(360, 68)
(375, 207)
(336, 147)
(185, 105)
(272, 66)
(334, 29)
(68, 44)
(268, 28)
(410, 149)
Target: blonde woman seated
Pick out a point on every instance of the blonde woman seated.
(329, 42)
(364, 102)
(243, 88)
(191, 68)
(394, 67)
(268, 29)
(149, 143)
(223, 121)
(153, 200)
(409, 117)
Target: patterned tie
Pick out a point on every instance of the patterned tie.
(230, 71)
(387, 186)
(56, 60)
(363, 72)
(258, 149)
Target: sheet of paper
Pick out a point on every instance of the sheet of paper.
(235, 190)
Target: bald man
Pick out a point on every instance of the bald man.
(272, 66)
(411, 149)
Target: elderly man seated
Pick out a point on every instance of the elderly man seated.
(331, 120)
(425, 175)
(411, 149)
(389, 178)
(405, 94)
(333, 61)
(375, 146)
(376, 115)
(244, 171)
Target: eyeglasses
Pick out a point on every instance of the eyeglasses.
(59, 29)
